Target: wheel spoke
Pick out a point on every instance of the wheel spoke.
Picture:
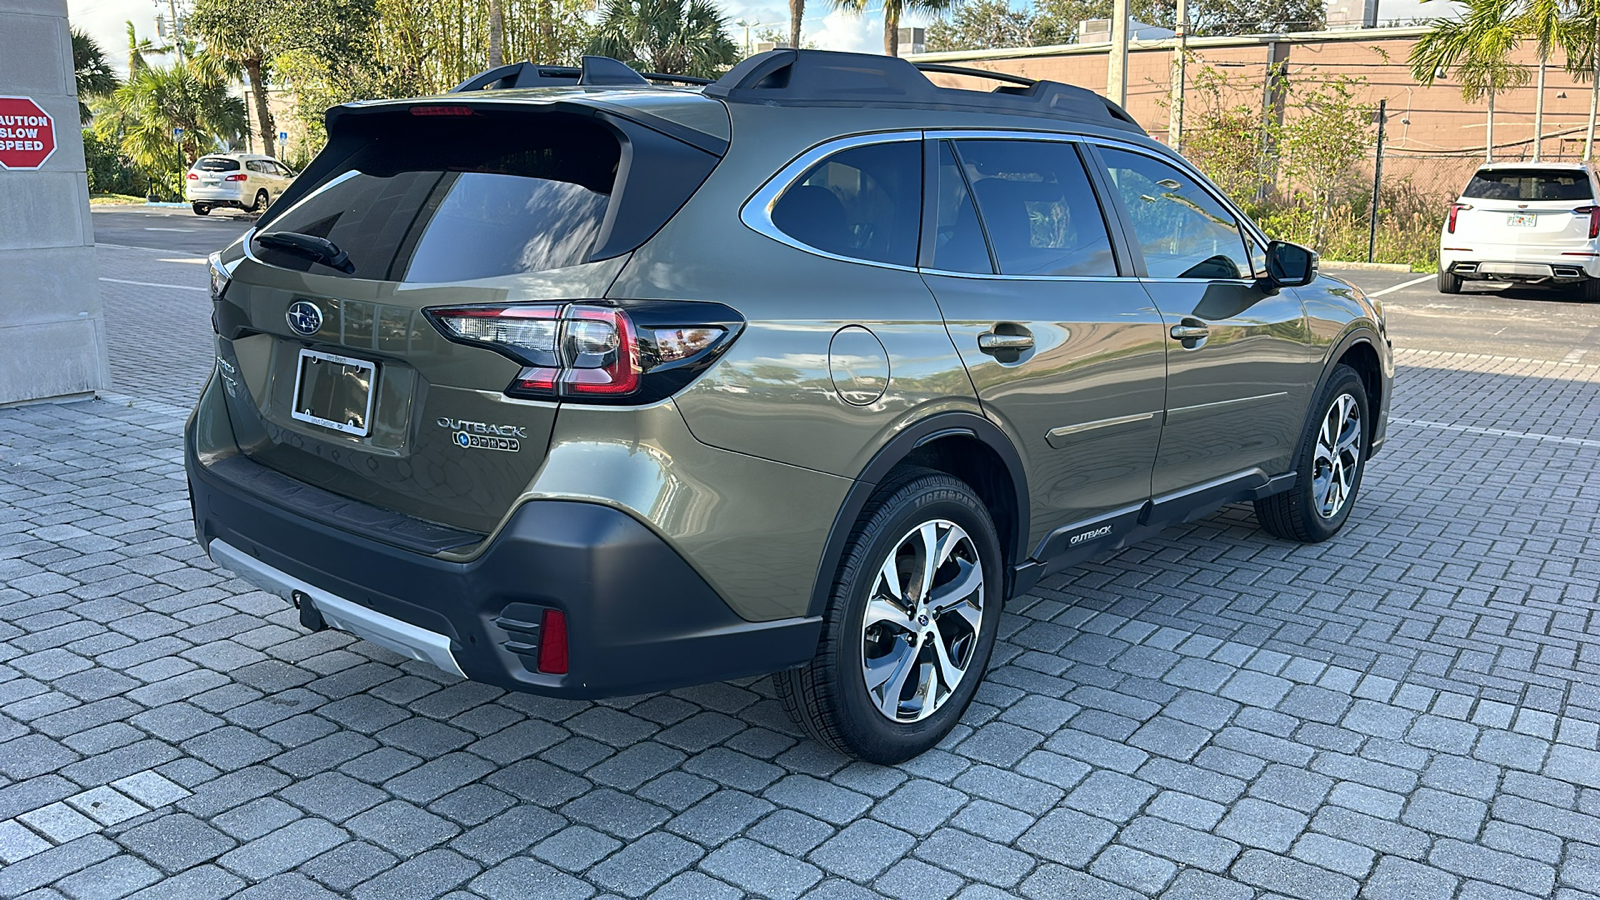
(929, 535)
(957, 589)
(949, 672)
(889, 577)
(886, 677)
(883, 612)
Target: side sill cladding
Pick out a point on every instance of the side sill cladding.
(944, 426)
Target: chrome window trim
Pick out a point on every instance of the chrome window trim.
(756, 213)
(990, 276)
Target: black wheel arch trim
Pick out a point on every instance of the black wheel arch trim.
(934, 428)
(1361, 333)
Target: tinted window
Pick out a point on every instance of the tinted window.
(282, 170)
(1530, 184)
(1038, 208)
(864, 203)
(476, 200)
(958, 238)
(216, 164)
(1183, 231)
(256, 166)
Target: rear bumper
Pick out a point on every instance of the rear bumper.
(214, 196)
(1510, 266)
(638, 617)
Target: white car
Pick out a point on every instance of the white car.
(1524, 223)
(247, 181)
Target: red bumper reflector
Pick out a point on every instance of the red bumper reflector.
(553, 643)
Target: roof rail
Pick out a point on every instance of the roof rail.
(596, 70)
(824, 78)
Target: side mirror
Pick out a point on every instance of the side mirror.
(1290, 265)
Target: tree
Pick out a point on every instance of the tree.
(240, 34)
(797, 11)
(675, 37)
(92, 72)
(1585, 63)
(1551, 25)
(1477, 48)
(167, 116)
(1319, 146)
(892, 11)
(497, 33)
(982, 25)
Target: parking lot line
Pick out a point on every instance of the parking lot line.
(1498, 432)
(1401, 285)
(176, 287)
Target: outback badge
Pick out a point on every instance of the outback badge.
(470, 435)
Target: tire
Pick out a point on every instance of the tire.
(1312, 512)
(829, 697)
(262, 201)
(1591, 290)
(1448, 283)
(202, 209)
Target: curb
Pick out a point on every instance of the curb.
(1371, 267)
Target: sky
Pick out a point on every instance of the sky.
(103, 19)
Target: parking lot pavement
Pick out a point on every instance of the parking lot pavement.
(1410, 710)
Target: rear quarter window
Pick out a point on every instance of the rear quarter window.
(1530, 185)
(454, 200)
(862, 203)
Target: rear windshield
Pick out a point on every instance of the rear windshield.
(216, 164)
(1530, 184)
(453, 198)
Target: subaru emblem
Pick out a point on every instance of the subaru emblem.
(304, 317)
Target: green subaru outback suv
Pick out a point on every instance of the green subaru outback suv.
(572, 384)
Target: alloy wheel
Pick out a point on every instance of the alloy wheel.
(920, 631)
(1338, 454)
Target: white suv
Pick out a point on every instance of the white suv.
(1525, 223)
(247, 181)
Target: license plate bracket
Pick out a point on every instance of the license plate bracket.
(1522, 220)
(335, 391)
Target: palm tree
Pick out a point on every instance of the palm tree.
(93, 72)
(677, 37)
(1476, 46)
(497, 33)
(892, 11)
(1583, 61)
(797, 11)
(164, 117)
(239, 40)
(1550, 25)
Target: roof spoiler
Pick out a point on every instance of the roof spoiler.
(822, 77)
(596, 70)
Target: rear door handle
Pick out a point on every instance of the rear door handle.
(1190, 332)
(989, 342)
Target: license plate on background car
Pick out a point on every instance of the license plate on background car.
(1523, 221)
(335, 392)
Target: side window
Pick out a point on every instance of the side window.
(864, 203)
(959, 245)
(1038, 209)
(1183, 231)
(255, 167)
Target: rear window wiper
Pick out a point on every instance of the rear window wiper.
(309, 246)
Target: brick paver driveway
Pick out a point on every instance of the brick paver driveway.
(1408, 711)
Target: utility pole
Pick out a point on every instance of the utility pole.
(1377, 183)
(1180, 65)
(1117, 67)
(177, 33)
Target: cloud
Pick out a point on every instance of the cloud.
(104, 20)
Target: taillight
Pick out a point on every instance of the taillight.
(442, 111)
(193, 177)
(1594, 218)
(596, 353)
(1455, 208)
(238, 176)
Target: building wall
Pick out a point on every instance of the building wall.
(1424, 121)
(52, 333)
